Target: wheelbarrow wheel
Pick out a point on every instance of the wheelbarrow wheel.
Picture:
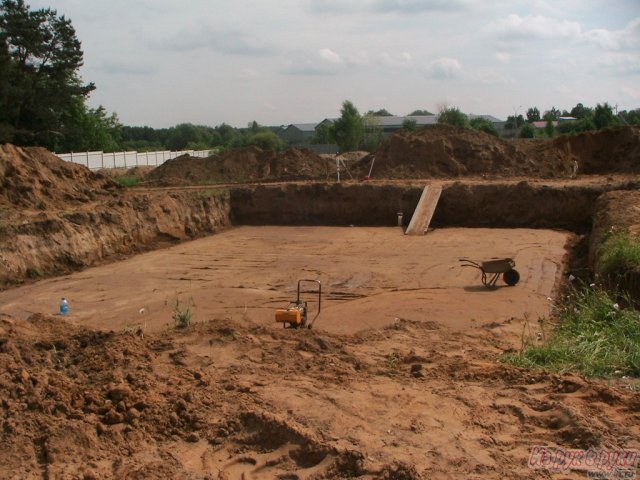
(511, 277)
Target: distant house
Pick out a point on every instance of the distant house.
(499, 124)
(543, 123)
(390, 125)
(301, 134)
(298, 133)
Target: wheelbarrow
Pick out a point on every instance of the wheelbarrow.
(492, 270)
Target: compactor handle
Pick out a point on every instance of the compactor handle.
(319, 297)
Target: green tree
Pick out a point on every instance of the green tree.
(580, 111)
(581, 125)
(266, 140)
(227, 134)
(514, 122)
(187, 135)
(324, 134)
(527, 131)
(631, 117)
(373, 133)
(533, 115)
(603, 116)
(453, 116)
(143, 138)
(550, 129)
(348, 130)
(86, 129)
(484, 125)
(379, 113)
(39, 83)
(420, 113)
(553, 114)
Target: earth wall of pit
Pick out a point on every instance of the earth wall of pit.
(498, 205)
(54, 244)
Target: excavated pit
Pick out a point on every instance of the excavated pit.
(416, 393)
(373, 276)
(471, 205)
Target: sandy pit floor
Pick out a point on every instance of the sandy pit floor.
(401, 377)
(371, 278)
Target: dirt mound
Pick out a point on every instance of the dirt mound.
(611, 150)
(446, 151)
(34, 178)
(248, 164)
(231, 400)
(132, 172)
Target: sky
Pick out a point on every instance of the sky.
(163, 62)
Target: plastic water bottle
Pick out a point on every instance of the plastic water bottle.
(64, 306)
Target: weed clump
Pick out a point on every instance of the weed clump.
(594, 336)
(127, 181)
(182, 313)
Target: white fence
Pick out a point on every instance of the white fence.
(98, 160)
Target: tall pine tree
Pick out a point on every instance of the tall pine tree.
(39, 83)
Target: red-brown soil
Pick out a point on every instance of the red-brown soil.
(399, 374)
(401, 379)
(230, 399)
(57, 216)
(243, 165)
(439, 151)
(33, 179)
(445, 151)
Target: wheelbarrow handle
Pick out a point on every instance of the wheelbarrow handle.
(469, 263)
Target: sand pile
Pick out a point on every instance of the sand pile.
(611, 150)
(78, 403)
(248, 164)
(34, 178)
(446, 151)
(228, 400)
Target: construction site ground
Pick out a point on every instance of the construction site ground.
(400, 378)
(371, 277)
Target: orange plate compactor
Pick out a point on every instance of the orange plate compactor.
(296, 313)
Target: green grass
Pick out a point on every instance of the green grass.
(619, 254)
(182, 313)
(127, 181)
(594, 336)
(212, 192)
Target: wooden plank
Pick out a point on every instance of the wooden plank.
(421, 218)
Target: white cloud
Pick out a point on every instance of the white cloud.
(534, 27)
(417, 6)
(490, 76)
(503, 57)
(321, 62)
(119, 67)
(627, 38)
(517, 28)
(388, 60)
(232, 42)
(444, 68)
(329, 56)
(326, 61)
(387, 6)
(618, 63)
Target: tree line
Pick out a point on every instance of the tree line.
(579, 119)
(43, 102)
